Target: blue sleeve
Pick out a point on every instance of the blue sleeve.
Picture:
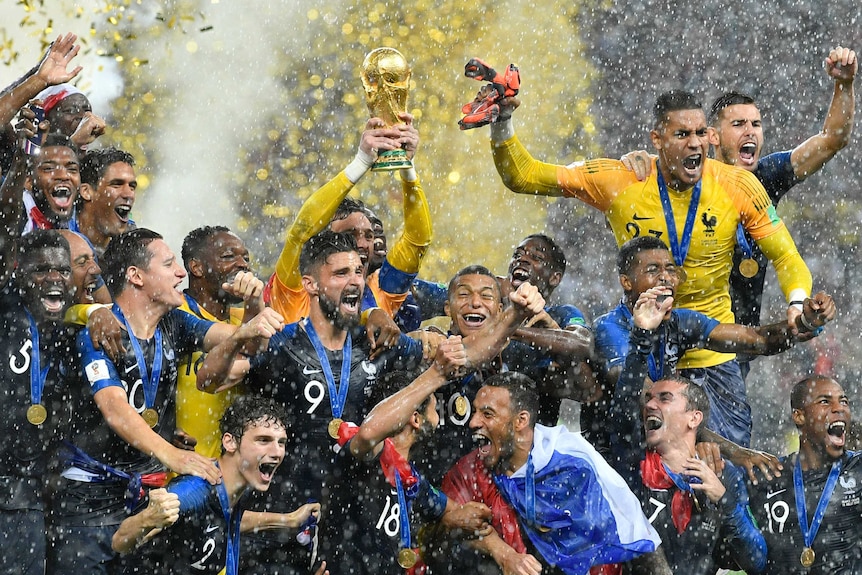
(189, 330)
(431, 298)
(611, 341)
(393, 280)
(694, 326)
(193, 493)
(429, 503)
(567, 316)
(625, 428)
(98, 369)
(405, 355)
(775, 172)
(745, 539)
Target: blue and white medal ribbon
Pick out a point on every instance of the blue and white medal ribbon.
(150, 380)
(679, 246)
(36, 413)
(808, 534)
(337, 395)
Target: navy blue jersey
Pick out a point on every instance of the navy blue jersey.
(197, 542)
(25, 447)
(836, 545)
(775, 172)
(97, 503)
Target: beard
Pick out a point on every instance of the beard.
(332, 311)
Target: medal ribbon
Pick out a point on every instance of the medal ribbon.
(678, 246)
(151, 380)
(742, 242)
(403, 515)
(337, 395)
(530, 491)
(37, 374)
(232, 520)
(808, 534)
(193, 305)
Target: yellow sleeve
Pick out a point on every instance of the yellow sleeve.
(407, 252)
(789, 266)
(79, 313)
(313, 217)
(522, 173)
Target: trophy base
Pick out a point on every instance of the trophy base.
(389, 160)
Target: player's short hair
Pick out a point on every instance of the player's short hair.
(349, 206)
(96, 162)
(556, 256)
(197, 239)
(725, 100)
(800, 391)
(52, 140)
(247, 410)
(474, 270)
(39, 240)
(131, 248)
(673, 101)
(317, 250)
(630, 250)
(522, 392)
(390, 383)
(695, 397)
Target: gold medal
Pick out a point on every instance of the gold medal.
(461, 405)
(807, 557)
(680, 273)
(333, 427)
(748, 268)
(37, 414)
(407, 558)
(151, 417)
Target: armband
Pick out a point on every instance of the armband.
(95, 306)
(360, 164)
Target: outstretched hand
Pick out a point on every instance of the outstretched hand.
(54, 68)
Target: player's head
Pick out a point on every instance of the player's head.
(680, 136)
(505, 407)
(672, 411)
(140, 260)
(351, 217)
(736, 130)
(540, 261)
(85, 268)
(108, 185)
(43, 275)
(474, 298)
(333, 275)
(424, 419)
(643, 263)
(65, 107)
(253, 439)
(821, 413)
(379, 249)
(54, 178)
(214, 255)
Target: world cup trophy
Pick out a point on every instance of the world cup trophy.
(386, 78)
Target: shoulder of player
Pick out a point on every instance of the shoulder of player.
(731, 178)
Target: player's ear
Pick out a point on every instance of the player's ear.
(522, 420)
(655, 137)
(86, 192)
(229, 443)
(415, 420)
(310, 285)
(798, 417)
(196, 268)
(712, 136)
(626, 283)
(696, 418)
(134, 276)
(555, 279)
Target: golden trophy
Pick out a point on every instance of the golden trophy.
(386, 78)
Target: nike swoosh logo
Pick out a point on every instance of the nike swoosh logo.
(307, 371)
(774, 493)
(211, 528)
(637, 218)
(131, 367)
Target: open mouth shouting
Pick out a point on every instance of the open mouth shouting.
(123, 212)
(61, 197)
(267, 470)
(53, 300)
(748, 153)
(473, 320)
(483, 444)
(835, 433)
(691, 164)
(350, 302)
(519, 276)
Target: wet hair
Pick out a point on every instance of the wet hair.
(725, 100)
(96, 163)
(470, 271)
(317, 249)
(198, 239)
(349, 206)
(695, 397)
(390, 383)
(128, 249)
(522, 392)
(247, 410)
(631, 249)
(39, 240)
(673, 101)
(800, 391)
(52, 140)
(556, 256)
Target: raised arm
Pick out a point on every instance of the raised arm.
(162, 511)
(11, 210)
(813, 153)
